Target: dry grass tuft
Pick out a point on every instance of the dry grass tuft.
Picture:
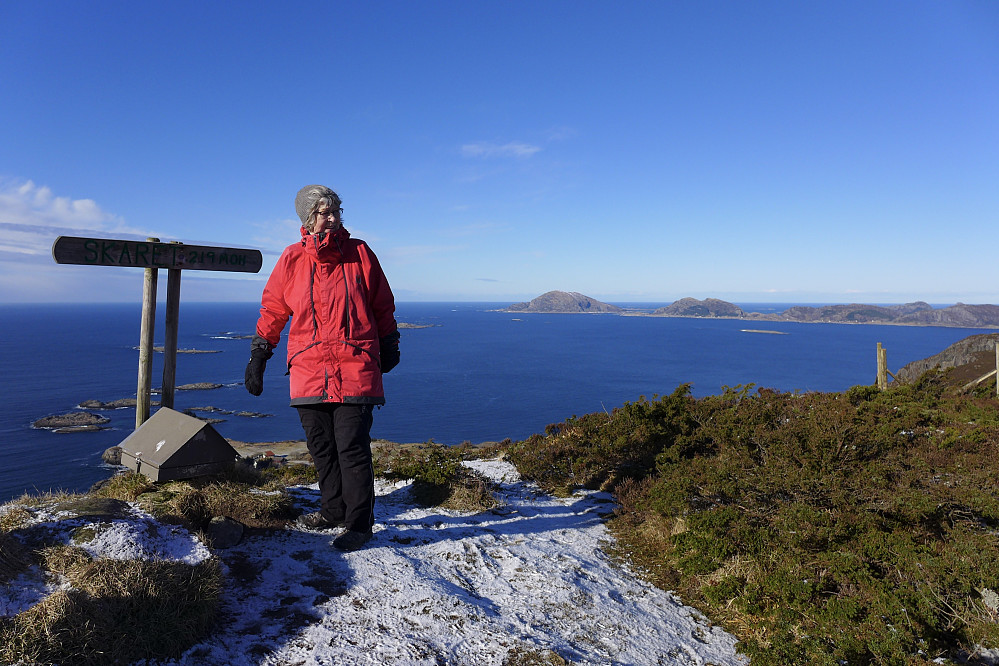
(250, 506)
(13, 518)
(116, 611)
(523, 655)
(470, 492)
(253, 497)
(126, 487)
(62, 560)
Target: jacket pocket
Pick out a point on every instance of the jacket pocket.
(361, 368)
(294, 357)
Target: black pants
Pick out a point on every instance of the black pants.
(339, 439)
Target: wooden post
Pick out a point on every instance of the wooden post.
(170, 343)
(997, 367)
(882, 367)
(146, 344)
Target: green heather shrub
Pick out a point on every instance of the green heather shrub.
(820, 528)
(600, 448)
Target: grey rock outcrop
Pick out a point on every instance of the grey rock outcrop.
(973, 357)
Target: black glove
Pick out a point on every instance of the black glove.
(260, 351)
(389, 351)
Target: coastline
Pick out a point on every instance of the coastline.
(761, 318)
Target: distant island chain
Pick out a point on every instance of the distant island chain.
(912, 314)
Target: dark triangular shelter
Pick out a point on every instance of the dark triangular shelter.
(171, 445)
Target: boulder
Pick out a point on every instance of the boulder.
(968, 359)
(112, 456)
(224, 532)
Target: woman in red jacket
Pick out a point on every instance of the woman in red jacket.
(342, 338)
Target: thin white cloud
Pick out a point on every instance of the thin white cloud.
(475, 229)
(29, 204)
(488, 149)
(32, 217)
(561, 133)
(275, 237)
(407, 253)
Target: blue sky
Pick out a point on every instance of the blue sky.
(492, 151)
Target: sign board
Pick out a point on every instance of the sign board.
(148, 254)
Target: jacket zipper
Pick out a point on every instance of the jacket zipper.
(312, 302)
(346, 287)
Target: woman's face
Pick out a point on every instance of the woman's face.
(325, 219)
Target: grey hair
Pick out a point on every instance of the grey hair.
(310, 198)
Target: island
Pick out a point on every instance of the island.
(918, 313)
(709, 307)
(564, 301)
(72, 422)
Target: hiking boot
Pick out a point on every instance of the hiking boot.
(351, 540)
(317, 521)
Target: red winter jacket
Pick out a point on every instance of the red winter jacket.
(340, 304)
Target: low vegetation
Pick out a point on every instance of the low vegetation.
(439, 478)
(819, 528)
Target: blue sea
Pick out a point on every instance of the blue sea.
(473, 374)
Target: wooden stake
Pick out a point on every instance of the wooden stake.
(882, 367)
(170, 342)
(146, 344)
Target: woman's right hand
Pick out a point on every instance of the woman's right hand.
(253, 378)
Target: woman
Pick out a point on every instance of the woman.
(342, 338)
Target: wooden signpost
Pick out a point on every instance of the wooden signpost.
(152, 255)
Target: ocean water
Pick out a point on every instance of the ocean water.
(474, 374)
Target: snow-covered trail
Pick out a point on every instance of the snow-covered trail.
(439, 587)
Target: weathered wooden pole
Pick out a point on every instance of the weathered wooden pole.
(170, 343)
(146, 344)
(997, 367)
(882, 367)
